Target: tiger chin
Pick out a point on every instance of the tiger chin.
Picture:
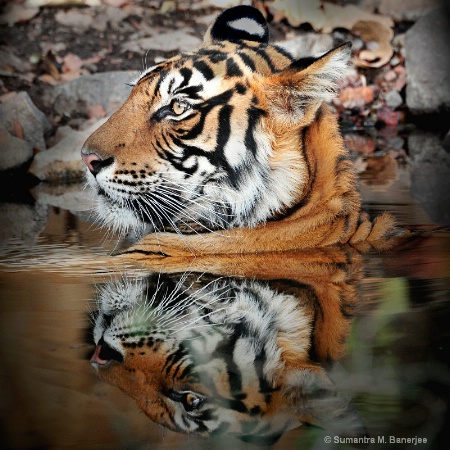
(231, 148)
(209, 355)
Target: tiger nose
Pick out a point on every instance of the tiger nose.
(96, 359)
(94, 163)
(104, 354)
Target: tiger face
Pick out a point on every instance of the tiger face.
(212, 139)
(209, 355)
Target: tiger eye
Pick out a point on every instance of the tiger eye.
(178, 107)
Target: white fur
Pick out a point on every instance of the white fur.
(248, 25)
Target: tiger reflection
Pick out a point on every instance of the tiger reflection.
(205, 354)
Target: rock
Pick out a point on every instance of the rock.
(108, 89)
(308, 44)
(427, 46)
(22, 222)
(13, 151)
(63, 161)
(176, 40)
(20, 113)
(74, 197)
(72, 18)
(10, 63)
(430, 181)
(393, 99)
(410, 10)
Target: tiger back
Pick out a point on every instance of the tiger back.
(231, 148)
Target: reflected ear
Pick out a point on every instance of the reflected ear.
(240, 23)
(294, 94)
(312, 394)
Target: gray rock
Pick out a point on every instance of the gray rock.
(21, 222)
(406, 9)
(21, 111)
(427, 49)
(109, 89)
(430, 180)
(13, 151)
(393, 99)
(74, 197)
(175, 40)
(63, 161)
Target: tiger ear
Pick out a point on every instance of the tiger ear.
(312, 395)
(294, 94)
(240, 23)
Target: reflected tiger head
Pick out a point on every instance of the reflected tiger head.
(209, 355)
(211, 139)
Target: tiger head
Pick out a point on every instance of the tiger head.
(208, 355)
(212, 139)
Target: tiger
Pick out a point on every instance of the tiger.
(208, 354)
(231, 148)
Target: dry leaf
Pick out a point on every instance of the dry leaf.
(356, 97)
(73, 63)
(378, 42)
(374, 29)
(49, 65)
(46, 78)
(18, 130)
(41, 3)
(96, 111)
(323, 16)
(390, 118)
(81, 20)
(14, 14)
(116, 3)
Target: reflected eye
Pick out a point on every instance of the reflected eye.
(189, 400)
(179, 107)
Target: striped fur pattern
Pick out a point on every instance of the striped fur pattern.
(227, 139)
(209, 355)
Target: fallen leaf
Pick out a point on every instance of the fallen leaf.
(116, 3)
(374, 29)
(49, 65)
(15, 13)
(96, 111)
(390, 118)
(324, 16)
(41, 3)
(18, 130)
(164, 42)
(378, 38)
(46, 78)
(356, 97)
(11, 63)
(74, 19)
(72, 63)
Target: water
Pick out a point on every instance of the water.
(394, 366)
